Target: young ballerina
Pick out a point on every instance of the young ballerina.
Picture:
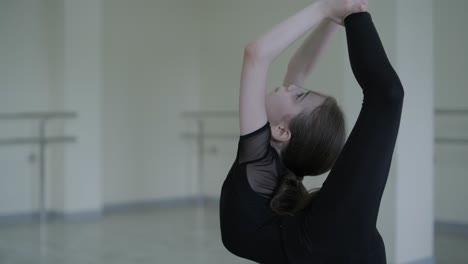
(266, 215)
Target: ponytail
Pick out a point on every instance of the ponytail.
(292, 196)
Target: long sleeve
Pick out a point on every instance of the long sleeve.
(369, 61)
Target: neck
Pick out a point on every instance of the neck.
(276, 146)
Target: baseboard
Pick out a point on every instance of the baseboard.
(19, 218)
(428, 260)
(32, 217)
(77, 216)
(160, 203)
(451, 227)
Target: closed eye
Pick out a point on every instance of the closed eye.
(301, 96)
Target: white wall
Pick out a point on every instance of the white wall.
(24, 86)
(128, 69)
(451, 91)
(151, 72)
(414, 155)
(82, 94)
(55, 167)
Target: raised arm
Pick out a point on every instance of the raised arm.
(369, 61)
(305, 59)
(260, 53)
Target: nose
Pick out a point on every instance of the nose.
(289, 87)
(292, 87)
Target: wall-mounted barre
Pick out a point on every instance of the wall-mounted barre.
(209, 114)
(452, 141)
(451, 112)
(200, 118)
(211, 136)
(36, 140)
(42, 141)
(37, 115)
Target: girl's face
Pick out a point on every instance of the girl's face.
(289, 101)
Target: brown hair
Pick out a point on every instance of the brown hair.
(317, 138)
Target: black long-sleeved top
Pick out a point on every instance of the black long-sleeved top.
(339, 225)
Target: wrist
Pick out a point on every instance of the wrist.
(328, 13)
(324, 9)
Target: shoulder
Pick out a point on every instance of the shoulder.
(264, 128)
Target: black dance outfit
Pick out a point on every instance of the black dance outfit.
(339, 225)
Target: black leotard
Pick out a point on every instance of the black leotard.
(339, 226)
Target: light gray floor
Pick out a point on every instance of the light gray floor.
(163, 235)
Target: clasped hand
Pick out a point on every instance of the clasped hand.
(338, 10)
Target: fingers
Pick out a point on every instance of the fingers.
(337, 10)
(361, 6)
(358, 7)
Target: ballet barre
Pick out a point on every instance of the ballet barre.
(451, 112)
(42, 140)
(200, 117)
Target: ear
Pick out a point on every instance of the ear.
(280, 132)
